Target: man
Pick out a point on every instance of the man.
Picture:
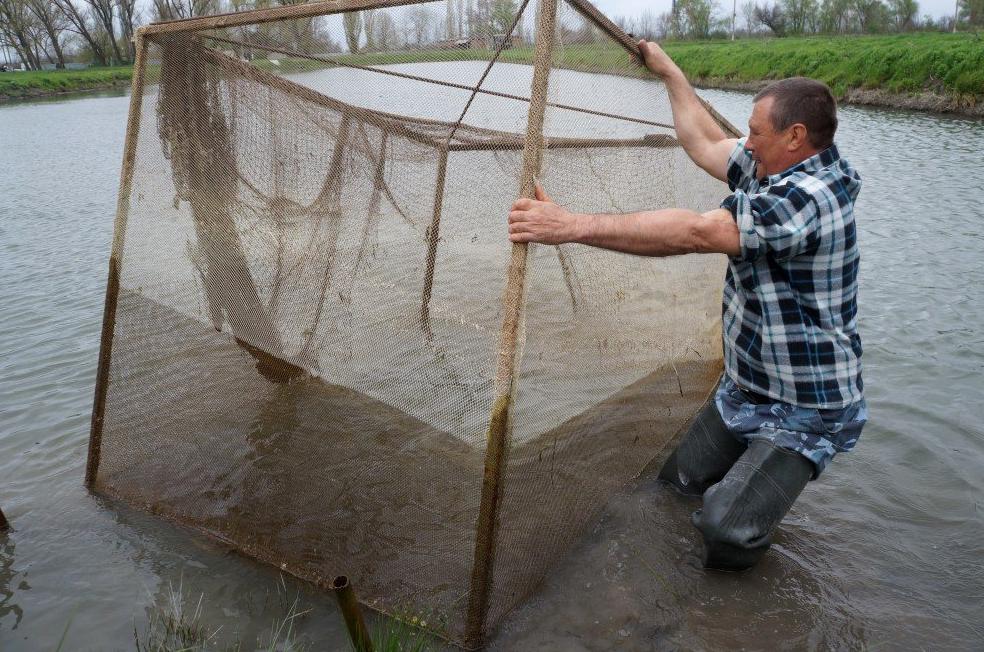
(791, 396)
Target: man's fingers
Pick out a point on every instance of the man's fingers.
(522, 204)
(541, 194)
(517, 216)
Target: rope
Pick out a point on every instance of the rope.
(488, 69)
(428, 80)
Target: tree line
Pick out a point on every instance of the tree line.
(710, 19)
(39, 32)
(55, 32)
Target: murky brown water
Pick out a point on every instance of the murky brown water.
(885, 551)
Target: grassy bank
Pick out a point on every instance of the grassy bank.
(930, 71)
(942, 72)
(20, 85)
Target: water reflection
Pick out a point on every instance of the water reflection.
(885, 551)
(9, 610)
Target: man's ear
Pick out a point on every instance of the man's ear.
(797, 137)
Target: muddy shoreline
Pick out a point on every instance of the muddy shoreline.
(41, 94)
(928, 101)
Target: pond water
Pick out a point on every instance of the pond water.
(884, 551)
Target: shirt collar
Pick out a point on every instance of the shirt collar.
(816, 162)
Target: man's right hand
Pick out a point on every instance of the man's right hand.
(658, 62)
(702, 138)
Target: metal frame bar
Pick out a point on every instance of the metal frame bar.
(113, 281)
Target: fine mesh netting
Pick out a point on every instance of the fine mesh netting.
(320, 345)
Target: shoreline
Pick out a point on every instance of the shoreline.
(926, 101)
(30, 94)
(929, 72)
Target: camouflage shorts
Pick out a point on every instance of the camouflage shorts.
(816, 434)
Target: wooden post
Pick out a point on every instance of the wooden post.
(500, 420)
(433, 235)
(269, 15)
(119, 235)
(589, 11)
(354, 622)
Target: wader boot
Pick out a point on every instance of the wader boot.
(704, 456)
(741, 511)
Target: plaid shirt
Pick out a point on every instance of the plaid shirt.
(790, 296)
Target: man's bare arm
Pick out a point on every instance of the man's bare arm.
(701, 136)
(668, 232)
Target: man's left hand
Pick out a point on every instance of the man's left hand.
(541, 220)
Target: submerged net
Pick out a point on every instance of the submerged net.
(320, 345)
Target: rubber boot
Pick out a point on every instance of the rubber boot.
(704, 456)
(741, 511)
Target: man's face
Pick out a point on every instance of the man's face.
(769, 148)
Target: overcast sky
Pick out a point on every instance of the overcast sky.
(612, 8)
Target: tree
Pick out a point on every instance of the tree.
(80, 23)
(125, 10)
(172, 9)
(972, 11)
(697, 16)
(501, 15)
(748, 16)
(369, 27)
(772, 17)
(103, 11)
(647, 26)
(352, 24)
(298, 34)
(419, 22)
(904, 14)
(52, 22)
(17, 24)
(449, 20)
(800, 15)
(385, 35)
(872, 15)
(835, 16)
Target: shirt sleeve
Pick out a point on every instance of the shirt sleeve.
(782, 222)
(741, 167)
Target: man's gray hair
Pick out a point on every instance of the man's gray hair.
(805, 101)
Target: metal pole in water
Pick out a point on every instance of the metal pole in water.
(352, 614)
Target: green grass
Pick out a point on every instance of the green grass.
(14, 85)
(949, 65)
(177, 625)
